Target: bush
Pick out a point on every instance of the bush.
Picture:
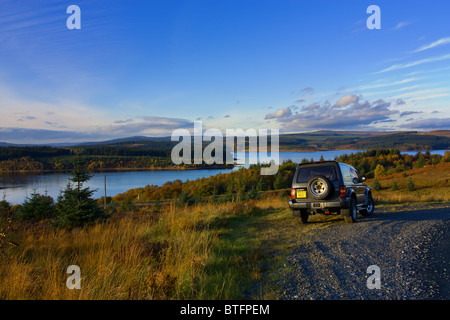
(410, 186)
(394, 186)
(127, 205)
(185, 199)
(5, 208)
(279, 182)
(376, 185)
(38, 207)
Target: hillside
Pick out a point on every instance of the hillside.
(335, 140)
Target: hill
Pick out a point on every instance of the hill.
(334, 140)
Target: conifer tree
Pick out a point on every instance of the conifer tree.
(75, 206)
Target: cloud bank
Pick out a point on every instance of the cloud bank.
(349, 112)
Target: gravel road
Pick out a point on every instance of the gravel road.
(410, 245)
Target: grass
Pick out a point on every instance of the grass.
(431, 184)
(208, 251)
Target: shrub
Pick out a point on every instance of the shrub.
(185, 199)
(410, 186)
(395, 186)
(38, 207)
(376, 185)
(127, 205)
(5, 208)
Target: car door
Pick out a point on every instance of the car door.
(360, 188)
(348, 178)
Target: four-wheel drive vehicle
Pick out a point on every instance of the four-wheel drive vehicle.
(330, 187)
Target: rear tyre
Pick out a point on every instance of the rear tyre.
(352, 212)
(304, 215)
(301, 215)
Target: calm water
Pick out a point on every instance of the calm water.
(16, 187)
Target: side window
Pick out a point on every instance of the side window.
(346, 175)
(355, 174)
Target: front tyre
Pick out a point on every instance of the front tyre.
(369, 210)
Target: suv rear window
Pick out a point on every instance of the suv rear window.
(306, 173)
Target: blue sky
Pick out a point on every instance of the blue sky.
(149, 67)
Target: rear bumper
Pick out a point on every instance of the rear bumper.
(335, 204)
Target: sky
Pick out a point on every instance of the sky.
(146, 68)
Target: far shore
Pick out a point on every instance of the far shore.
(174, 168)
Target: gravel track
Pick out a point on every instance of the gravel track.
(410, 245)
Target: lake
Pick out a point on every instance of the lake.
(17, 186)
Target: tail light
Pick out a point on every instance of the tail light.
(342, 191)
(292, 193)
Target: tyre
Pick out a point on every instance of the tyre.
(319, 187)
(304, 215)
(301, 215)
(353, 212)
(369, 210)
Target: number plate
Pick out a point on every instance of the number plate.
(301, 193)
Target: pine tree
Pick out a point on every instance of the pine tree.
(261, 185)
(38, 207)
(394, 186)
(279, 182)
(410, 185)
(75, 206)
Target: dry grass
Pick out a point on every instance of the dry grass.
(131, 257)
(177, 253)
(431, 185)
(207, 251)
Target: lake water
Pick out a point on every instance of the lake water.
(16, 187)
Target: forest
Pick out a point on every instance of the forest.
(245, 184)
(144, 153)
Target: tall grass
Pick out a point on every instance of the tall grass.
(177, 253)
(431, 184)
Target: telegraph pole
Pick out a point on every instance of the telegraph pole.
(104, 199)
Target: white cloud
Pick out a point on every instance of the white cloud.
(281, 113)
(434, 44)
(401, 25)
(415, 63)
(346, 100)
(353, 114)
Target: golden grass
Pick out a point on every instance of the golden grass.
(177, 253)
(206, 251)
(431, 185)
(131, 257)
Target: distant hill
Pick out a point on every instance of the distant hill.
(333, 140)
(439, 133)
(125, 141)
(310, 141)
